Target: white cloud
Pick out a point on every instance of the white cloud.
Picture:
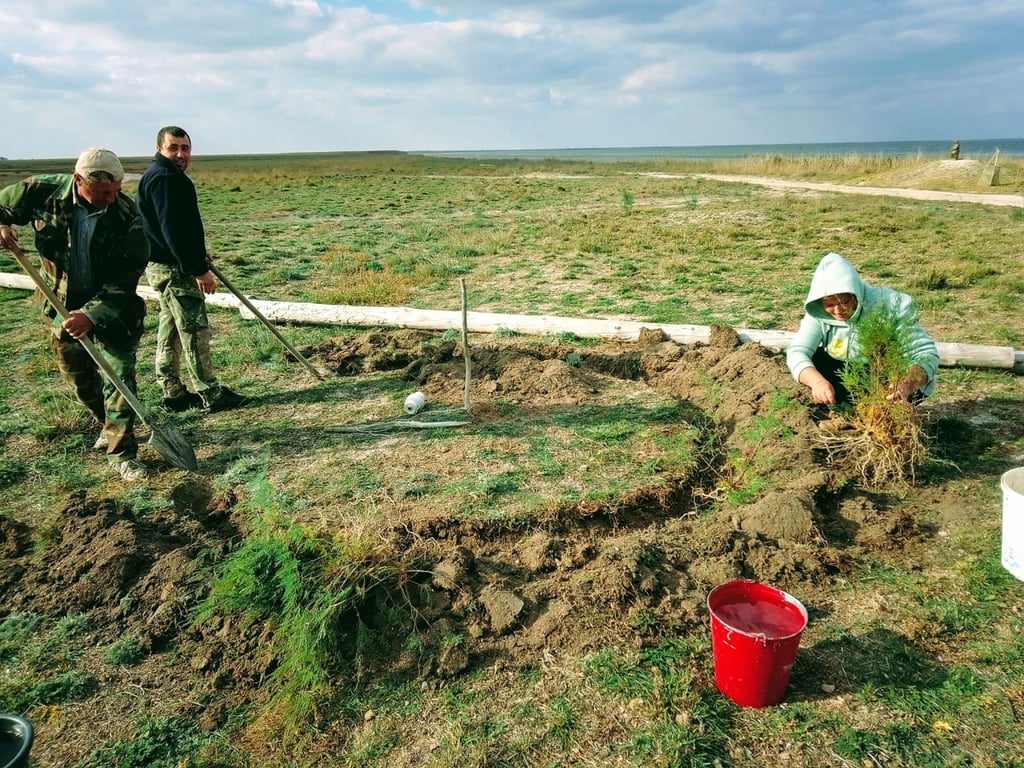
(651, 76)
(298, 75)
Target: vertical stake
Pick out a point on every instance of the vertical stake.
(465, 345)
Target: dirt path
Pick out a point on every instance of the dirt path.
(917, 194)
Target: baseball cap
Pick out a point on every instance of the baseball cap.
(95, 160)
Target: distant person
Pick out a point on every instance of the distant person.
(824, 342)
(92, 248)
(179, 270)
(954, 151)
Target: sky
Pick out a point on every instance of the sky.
(268, 76)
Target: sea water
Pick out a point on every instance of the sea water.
(976, 149)
(761, 617)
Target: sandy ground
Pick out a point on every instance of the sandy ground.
(916, 194)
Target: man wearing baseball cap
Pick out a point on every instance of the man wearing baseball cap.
(93, 249)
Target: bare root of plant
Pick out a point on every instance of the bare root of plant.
(884, 441)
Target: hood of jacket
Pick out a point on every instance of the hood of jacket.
(834, 275)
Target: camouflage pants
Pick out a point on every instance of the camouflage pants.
(107, 405)
(183, 333)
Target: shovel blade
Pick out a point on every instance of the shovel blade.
(173, 446)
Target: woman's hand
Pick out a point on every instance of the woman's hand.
(823, 392)
(821, 388)
(908, 385)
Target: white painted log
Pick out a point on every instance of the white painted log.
(11, 280)
(951, 354)
(7, 280)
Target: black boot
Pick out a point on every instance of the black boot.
(225, 400)
(183, 402)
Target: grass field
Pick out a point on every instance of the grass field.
(526, 589)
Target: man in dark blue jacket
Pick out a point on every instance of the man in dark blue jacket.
(179, 269)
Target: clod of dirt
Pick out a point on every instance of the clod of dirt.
(782, 515)
(724, 337)
(502, 606)
(454, 569)
(539, 553)
(14, 538)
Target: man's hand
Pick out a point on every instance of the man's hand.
(77, 324)
(207, 282)
(8, 235)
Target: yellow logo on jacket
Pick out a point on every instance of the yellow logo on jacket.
(837, 347)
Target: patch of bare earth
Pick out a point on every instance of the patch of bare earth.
(573, 578)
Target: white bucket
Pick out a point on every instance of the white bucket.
(414, 403)
(1013, 521)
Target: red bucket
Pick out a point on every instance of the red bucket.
(755, 633)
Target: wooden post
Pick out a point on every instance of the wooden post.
(465, 345)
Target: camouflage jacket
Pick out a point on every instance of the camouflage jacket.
(119, 252)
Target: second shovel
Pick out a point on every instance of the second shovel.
(259, 316)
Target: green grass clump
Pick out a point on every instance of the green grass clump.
(685, 722)
(15, 631)
(12, 471)
(158, 742)
(22, 694)
(125, 651)
(306, 587)
(42, 660)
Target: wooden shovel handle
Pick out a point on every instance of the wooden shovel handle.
(86, 342)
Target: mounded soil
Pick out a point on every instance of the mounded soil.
(578, 579)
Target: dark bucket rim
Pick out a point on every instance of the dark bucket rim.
(22, 729)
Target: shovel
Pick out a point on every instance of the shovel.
(259, 316)
(171, 444)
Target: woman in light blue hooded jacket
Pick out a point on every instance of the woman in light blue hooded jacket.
(824, 341)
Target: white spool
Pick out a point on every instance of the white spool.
(414, 403)
(1013, 522)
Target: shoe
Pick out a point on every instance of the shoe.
(101, 443)
(131, 470)
(183, 402)
(227, 399)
